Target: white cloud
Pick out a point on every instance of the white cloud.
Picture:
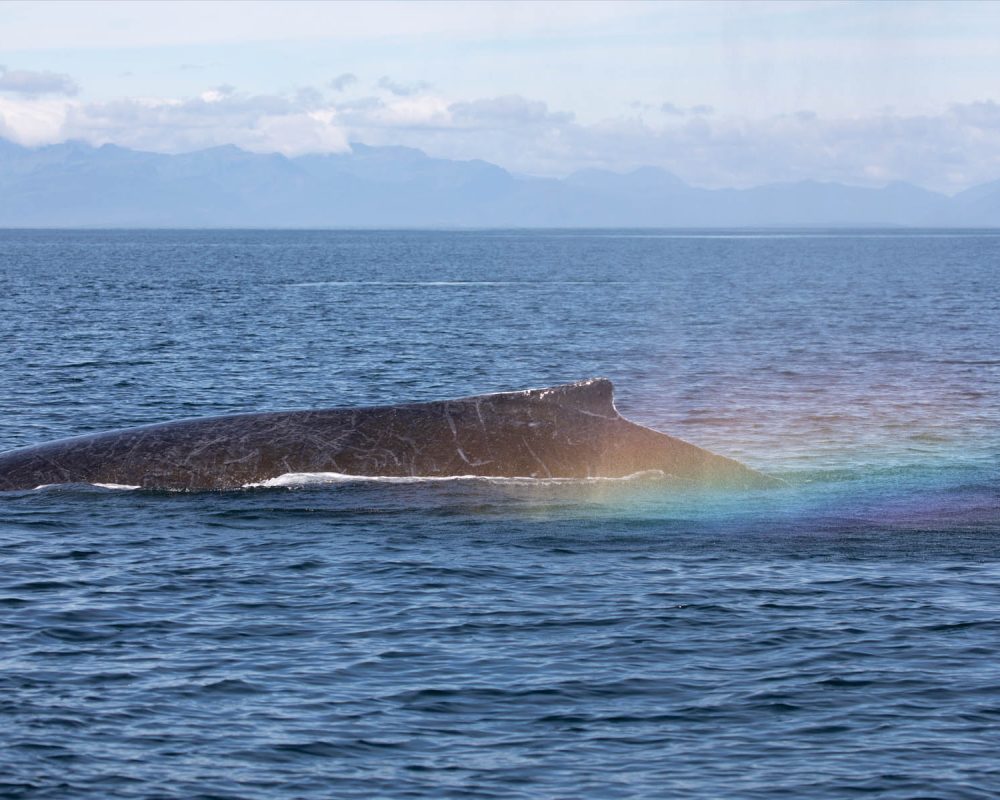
(261, 123)
(28, 83)
(401, 89)
(948, 151)
(984, 115)
(508, 110)
(218, 94)
(33, 122)
(405, 113)
(296, 134)
(343, 81)
(951, 149)
(699, 109)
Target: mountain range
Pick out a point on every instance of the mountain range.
(77, 185)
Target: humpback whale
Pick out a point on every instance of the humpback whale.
(567, 431)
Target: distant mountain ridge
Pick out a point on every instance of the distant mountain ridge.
(77, 185)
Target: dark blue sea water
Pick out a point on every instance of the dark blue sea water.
(836, 638)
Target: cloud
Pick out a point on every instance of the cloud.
(218, 93)
(34, 121)
(296, 134)
(309, 98)
(398, 115)
(402, 89)
(699, 110)
(292, 124)
(950, 149)
(33, 84)
(342, 81)
(984, 115)
(508, 110)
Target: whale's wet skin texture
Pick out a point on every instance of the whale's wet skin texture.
(568, 431)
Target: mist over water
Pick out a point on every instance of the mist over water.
(516, 638)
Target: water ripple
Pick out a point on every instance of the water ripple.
(516, 639)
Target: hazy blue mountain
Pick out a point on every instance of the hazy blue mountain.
(74, 184)
(978, 206)
(648, 180)
(816, 203)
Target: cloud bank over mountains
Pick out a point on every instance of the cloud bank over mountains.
(77, 185)
(499, 114)
(949, 150)
(723, 94)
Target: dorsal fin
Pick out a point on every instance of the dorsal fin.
(594, 396)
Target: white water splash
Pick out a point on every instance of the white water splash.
(298, 479)
(114, 486)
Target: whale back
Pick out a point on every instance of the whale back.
(594, 396)
(566, 431)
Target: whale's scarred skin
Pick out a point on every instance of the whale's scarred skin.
(568, 431)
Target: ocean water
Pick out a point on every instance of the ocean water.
(511, 639)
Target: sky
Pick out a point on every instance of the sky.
(719, 93)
